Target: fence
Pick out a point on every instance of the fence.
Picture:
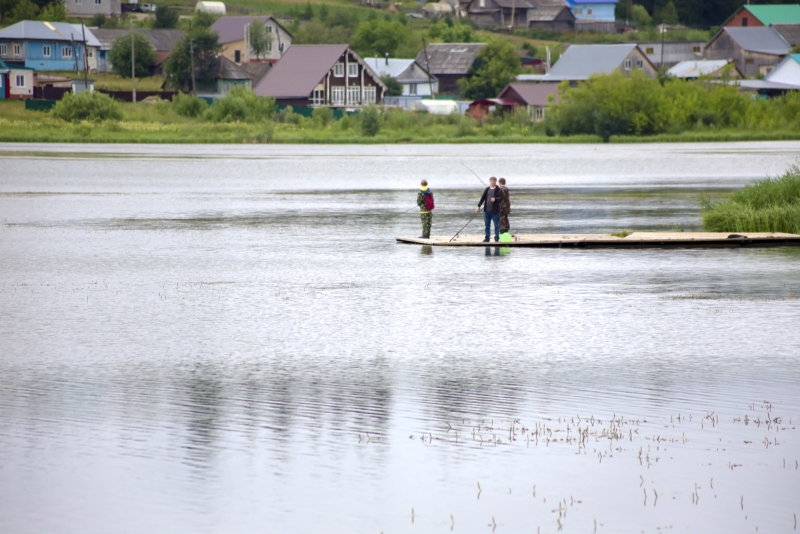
(127, 96)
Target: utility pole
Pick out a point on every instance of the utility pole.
(191, 55)
(663, 31)
(133, 66)
(85, 60)
(427, 67)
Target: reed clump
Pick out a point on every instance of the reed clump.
(770, 205)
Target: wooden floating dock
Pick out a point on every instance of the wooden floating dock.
(634, 240)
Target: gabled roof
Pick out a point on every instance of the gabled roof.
(532, 94)
(163, 40)
(449, 58)
(257, 71)
(546, 13)
(581, 61)
(224, 69)
(697, 68)
(775, 14)
(231, 29)
(515, 4)
(765, 40)
(782, 72)
(403, 70)
(302, 67)
(790, 32)
(35, 30)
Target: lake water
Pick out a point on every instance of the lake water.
(226, 339)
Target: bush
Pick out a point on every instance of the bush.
(322, 116)
(288, 116)
(241, 105)
(771, 205)
(87, 106)
(188, 105)
(370, 121)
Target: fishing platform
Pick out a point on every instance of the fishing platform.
(633, 240)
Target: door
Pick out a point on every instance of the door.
(237, 56)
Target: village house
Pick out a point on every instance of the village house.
(755, 50)
(534, 97)
(16, 82)
(222, 76)
(90, 8)
(552, 15)
(749, 16)
(580, 62)
(163, 41)
(785, 76)
(449, 62)
(48, 45)
(410, 74)
(322, 75)
(790, 32)
(594, 15)
(234, 36)
(713, 68)
(672, 52)
(556, 18)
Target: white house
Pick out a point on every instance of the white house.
(414, 79)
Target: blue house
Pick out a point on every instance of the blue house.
(48, 45)
(593, 15)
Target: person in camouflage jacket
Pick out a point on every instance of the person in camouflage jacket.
(425, 215)
(505, 207)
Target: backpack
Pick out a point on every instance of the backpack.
(429, 202)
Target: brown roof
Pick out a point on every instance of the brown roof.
(231, 29)
(532, 94)
(790, 32)
(224, 69)
(546, 13)
(450, 58)
(300, 69)
(257, 71)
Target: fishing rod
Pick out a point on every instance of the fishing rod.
(475, 173)
(462, 228)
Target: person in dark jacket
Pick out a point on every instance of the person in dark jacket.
(505, 206)
(491, 200)
(425, 214)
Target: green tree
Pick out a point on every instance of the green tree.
(668, 14)
(54, 12)
(323, 12)
(120, 55)
(166, 17)
(393, 87)
(496, 66)
(640, 15)
(458, 33)
(201, 19)
(87, 106)
(370, 121)
(24, 10)
(308, 12)
(379, 37)
(178, 65)
(259, 38)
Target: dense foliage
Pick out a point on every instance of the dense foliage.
(393, 87)
(694, 13)
(188, 105)
(143, 55)
(370, 121)
(619, 105)
(259, 38)
(241, 105)
(178, 66)
(496, 66)
(166, 17)
(771, 205)
(87, 106)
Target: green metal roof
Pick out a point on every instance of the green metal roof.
(776, 14)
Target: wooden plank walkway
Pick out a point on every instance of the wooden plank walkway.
(634, 240)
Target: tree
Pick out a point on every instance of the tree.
(379, 37)
(120, 55)
(166, 17)
(496, 66)
(370, 121)
(179, 63)
(323, 12)
(640, 15)
(393, 87)
(24, 10)
(458, 33)
(668, 14)
(54, 12)
(308, 12)
(201, 19)
(259, 38)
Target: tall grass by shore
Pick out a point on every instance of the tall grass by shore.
(770, 205)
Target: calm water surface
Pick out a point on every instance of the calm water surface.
(225, 339)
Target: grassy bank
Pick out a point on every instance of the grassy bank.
(770, 205)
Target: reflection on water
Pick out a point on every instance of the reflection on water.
(235, 342)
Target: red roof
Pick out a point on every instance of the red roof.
(299, 71)
(496, 102)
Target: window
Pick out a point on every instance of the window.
(3, 50)
(20, 80)
(578, 11)
(748, 61)
(77, 1)
(269, 29)
(97, 2)
(649, 50)
(338, 70)
(696, 49)
(589, 11)
(412, 88)
(538, 113)
(744, 21)
(237, 56)
(369, 95)
(628, 64)
(280, 47)
(353, 95)
(338, 96)
(318, 97)
(352, 70)
(639, 64)
(89, 52)
(66, 52)
(17, 50)
(46, 51)
(269, 47)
